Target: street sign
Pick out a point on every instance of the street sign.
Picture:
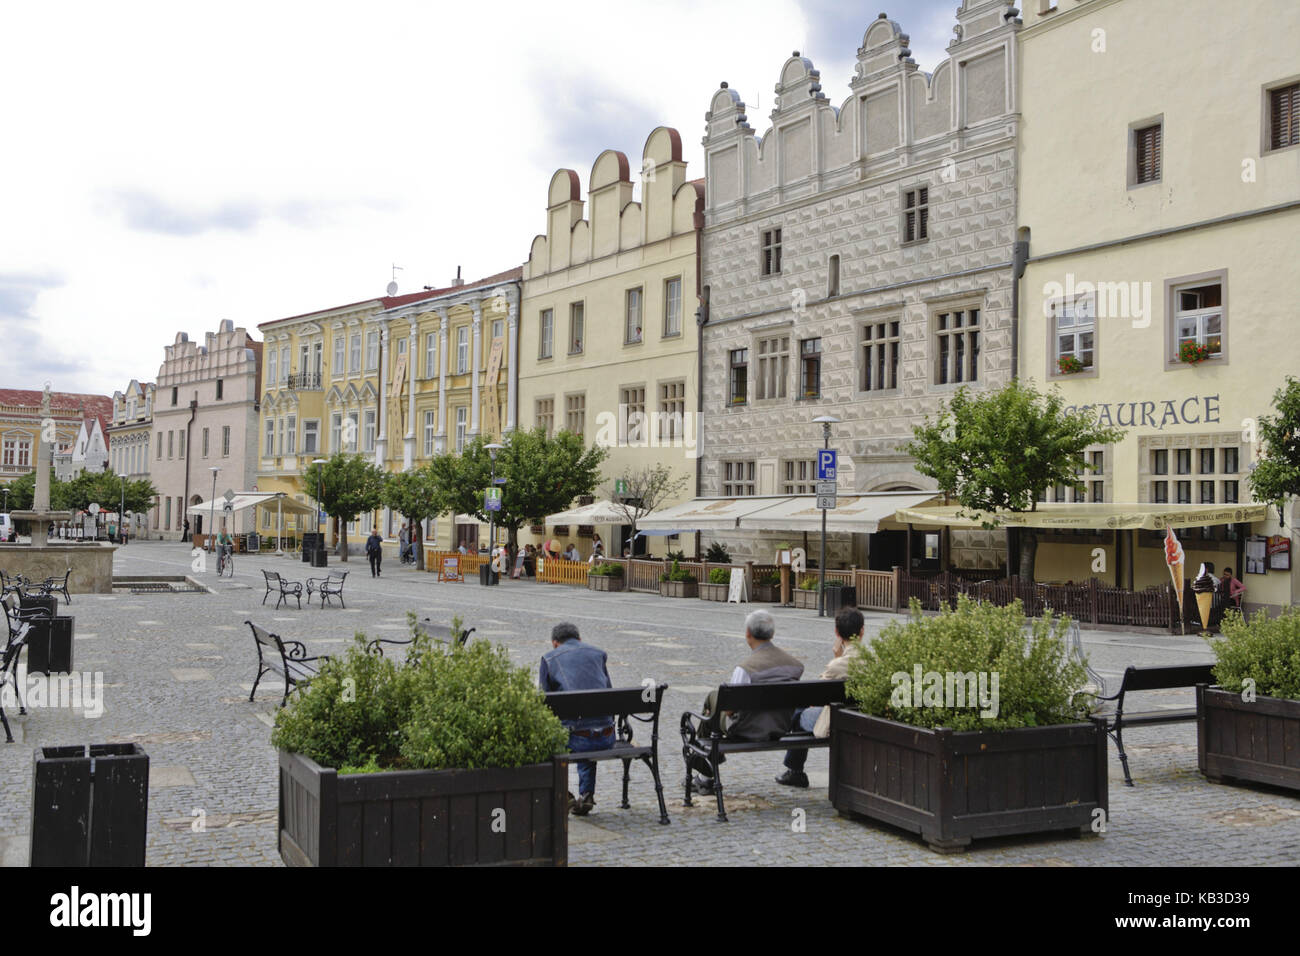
(826, 488)
(93, 509)
(498, 481)
(229, 495)
(620, 486)
(826, 502)
(826, 461)
(492, 499)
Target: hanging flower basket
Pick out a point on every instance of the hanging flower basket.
(1190, 353)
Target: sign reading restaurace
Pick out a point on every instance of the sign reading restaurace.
(1194, 410)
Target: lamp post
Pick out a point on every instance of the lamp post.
(826, 421)
(212, 505)
(279, 524)
(319, 463)
(6, 491)
(493, 448)
(121, 514)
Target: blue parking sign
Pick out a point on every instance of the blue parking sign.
(826, 461)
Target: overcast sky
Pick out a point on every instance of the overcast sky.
(169, 165)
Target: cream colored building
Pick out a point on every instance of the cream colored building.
(1159, 192)
(609, 340)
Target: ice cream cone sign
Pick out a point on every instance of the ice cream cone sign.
(1204, 587)
(1175, 558)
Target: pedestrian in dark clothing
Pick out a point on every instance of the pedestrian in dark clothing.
(375, 552)
(185, 531)
(573, 665)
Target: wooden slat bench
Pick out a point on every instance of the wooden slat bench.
(1152, 678)
(624, 704)
(784, 696)
(287, 658)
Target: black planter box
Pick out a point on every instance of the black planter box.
(841, 595)
(49, 646)
(90, 808)
(1256, 741)
(953, 787)
(516, 817)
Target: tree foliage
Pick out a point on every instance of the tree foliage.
(103, 488)
(649, 487)
(349, 486)
(413, 495)
(1276, 476)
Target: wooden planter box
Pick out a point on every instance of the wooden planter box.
(804, 599)
(1257, 742)
(604, 582)
(766, 594)
(952, 787)
(714, 592)
(679, 589)
(422, 817)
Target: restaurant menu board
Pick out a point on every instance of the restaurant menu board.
(1256, 551)
(450, 570)
(1279, 553)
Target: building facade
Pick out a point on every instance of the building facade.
(1168, 231)
(857, 263)
(610, 343)
(204, 417)
(88, 450)
(21, 425)
(130, 433)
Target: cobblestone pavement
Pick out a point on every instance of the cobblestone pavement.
(178, 669)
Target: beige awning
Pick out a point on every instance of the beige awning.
(600, 512)
(252, 499)
(855, 514)
(466, 519)
(707, 514)
(1118, 517)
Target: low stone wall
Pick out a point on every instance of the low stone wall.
(91, 563)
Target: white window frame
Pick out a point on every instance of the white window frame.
(1076, 318)
(672, 307)
(462, 350)
(634, 316)
(1173, 338)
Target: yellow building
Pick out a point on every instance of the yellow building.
(1159, 195)
(609, 344)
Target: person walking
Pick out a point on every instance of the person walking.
(185, 530)
(403, 544)
(375, 552)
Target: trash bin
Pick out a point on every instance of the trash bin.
(319, 558)
(487, 576)
(90, 805)
(840, 595)
(311, 541)
(49, 641)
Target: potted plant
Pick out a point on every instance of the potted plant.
(678, 582)
(1247, 726)
(969, 724)
(717, 553)
(805, 591)
(767, 587)
(443, 760)
(605, 576)
(1069, 365)
(1190, 353)
(719, 583)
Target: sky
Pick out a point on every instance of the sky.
(164, 166)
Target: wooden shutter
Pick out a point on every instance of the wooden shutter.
(1148, 154)
(1284, 116)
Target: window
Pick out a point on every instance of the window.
(272, 369)
(354, 353)
(1198, 318)
(220, 383)
(772, 252)
(1184, 489)
(368, 438)
(957, 341)
(1207, 492)
(1160, 462)
(632, 317)
(351, 430)
(1145, 167)
(339, 347)
(545, 416)
(1207, 461)
(739, 392)
(430, 427)
(631, 419)
(160, 446)
(311, 437)
(431, 355)
(810, 368)
(462, 416)
(880, 348)
(205, 443)
(576, 330)
(17, 452)
(673, 307)
(575, 413)
(175, 393)
(1183, 461)
(498, 329)
(167, 526)
(833, 277)
(1074, 331)
(336, 432)
(291, 442)
(916, 214)
(738, 479)
(773, 367)
(462, 350)
(280, 437)
(170, 444)
(372, 351)
(546, 336)
(284, 364)
(799, 477)
(672, 410)
(1230, 493)
(401, 346)
(1284, 116)
(1230, 456)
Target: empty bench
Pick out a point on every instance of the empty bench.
(1152, 678)
(713, 747)
(623, 704)
(287, 658)
(426, 628)
(327, 587)
(287, 589)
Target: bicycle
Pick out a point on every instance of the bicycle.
(225, 559)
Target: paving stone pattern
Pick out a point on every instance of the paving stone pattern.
(178, 668)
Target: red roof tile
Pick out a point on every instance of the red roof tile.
(64, 402)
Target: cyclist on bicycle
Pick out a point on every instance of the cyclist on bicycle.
(225, 545)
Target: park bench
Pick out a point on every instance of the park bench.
(287, 658)
(288, 589)
(11, 582)
(713, 747)
(625, 704)
(18, 622)
(1152, 678)
(51, 585)
(327, 587)
(437, 632)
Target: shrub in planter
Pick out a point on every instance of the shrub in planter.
(717, 553)
(1248, 727)
(453, 734)
(767, 586)
(970, 724)
(605, 577)
(677, 582)
(718, 585)
(805, 590)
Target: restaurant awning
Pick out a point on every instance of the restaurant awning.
(859, 514)
(1104, 516)
(707, 514)
(252, 499)
(600, 512)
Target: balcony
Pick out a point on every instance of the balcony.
(303, 381)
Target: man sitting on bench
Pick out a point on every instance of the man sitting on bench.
(573, 665)
(817, 720)
(766, 664)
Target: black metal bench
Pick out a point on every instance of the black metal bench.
(51, 585)
(18, 622)
(287, 658)
(625, 704)
(288, 589)
(437, 632)
(330, 586)
(783, 696)
(1152, 678)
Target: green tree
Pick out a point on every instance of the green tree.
(413, 495)
(1276, 476)
(649, 487)
(22, 491)
(349, 485)
(542, 476)
(999, 451)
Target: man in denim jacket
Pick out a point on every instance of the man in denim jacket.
(573, 665)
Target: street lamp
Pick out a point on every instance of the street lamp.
(212, 505)
(826, 421)
(319, 463)
(279, 524)
(492, 449)
(121, 514)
